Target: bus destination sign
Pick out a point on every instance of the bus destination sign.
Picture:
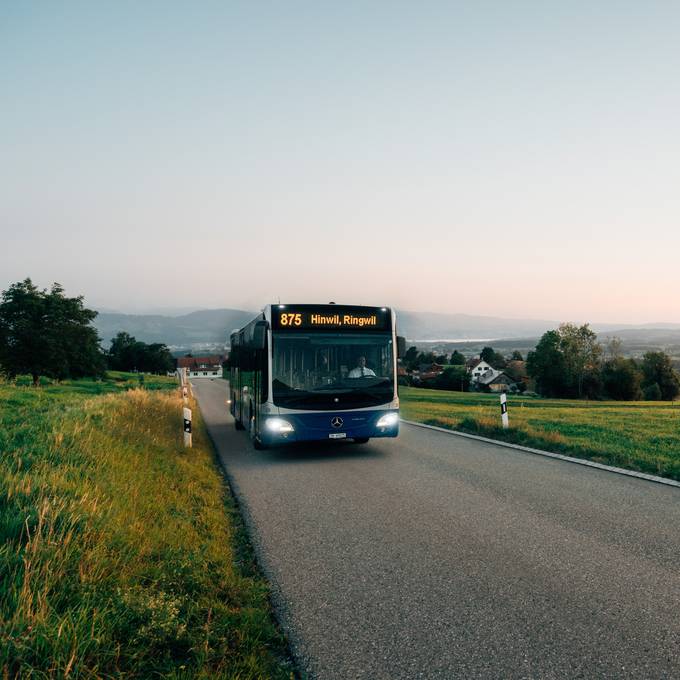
(330, 317)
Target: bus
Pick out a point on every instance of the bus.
(316, 373)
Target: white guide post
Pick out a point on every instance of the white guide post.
(504, 410)
(187, 426)
(184, 385)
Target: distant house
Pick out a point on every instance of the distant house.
(517, 370)
(476, 368)
(202, 367)
(427, 372)
(483, 376)
(495, 381)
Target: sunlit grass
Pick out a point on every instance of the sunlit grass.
(643, 436)
(117, 545)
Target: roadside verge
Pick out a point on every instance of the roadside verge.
(548, 454)
(121, 553)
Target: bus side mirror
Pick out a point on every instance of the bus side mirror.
(260, 335)
(401, 346)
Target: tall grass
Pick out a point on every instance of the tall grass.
(117, 544)
(643, 436)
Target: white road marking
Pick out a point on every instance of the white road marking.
(540, 452)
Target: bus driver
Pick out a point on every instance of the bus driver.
(361, 370)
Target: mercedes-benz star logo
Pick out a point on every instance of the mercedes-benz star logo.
(337, 421)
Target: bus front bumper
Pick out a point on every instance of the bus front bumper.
(328, 426)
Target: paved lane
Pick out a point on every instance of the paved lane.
(432, 556)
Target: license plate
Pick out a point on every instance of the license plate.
(337, 435)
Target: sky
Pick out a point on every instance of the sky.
(515, 159)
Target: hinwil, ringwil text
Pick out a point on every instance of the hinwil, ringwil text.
(344, 320)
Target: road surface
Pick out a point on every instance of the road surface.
(434, 556)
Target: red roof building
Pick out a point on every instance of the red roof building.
(202, 367)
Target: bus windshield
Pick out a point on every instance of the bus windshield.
(332, 370)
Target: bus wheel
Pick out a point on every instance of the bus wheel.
(360, 440)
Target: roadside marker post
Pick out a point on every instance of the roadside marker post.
(504, 410)
(187, 427)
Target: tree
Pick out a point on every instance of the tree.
(566, 362)
(129, 354)
(123, 353)
(45, 333)
(492, 357)
(546, 365)
(158, 359)
(426, 358)
(516, 356)
(487, 354)
(517, 371)
(652, 392)
(453, 378)
(410, 359)
(440, 359)
(614, 348)
(582, 353)
(457, 359)
(621, 379)
(658, 369)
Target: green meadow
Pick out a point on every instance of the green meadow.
(642, 436)
(121, 552)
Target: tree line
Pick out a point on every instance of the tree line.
(567, 362)
(45, 333)
(128, 354)
(570, 362)
(413, 359)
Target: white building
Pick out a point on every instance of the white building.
(477, 368)
(202, 367)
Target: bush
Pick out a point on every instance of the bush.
(658, 368)
(652, 392)
(455, 378)
(457, 359)
(621, 379)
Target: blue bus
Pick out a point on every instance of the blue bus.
(316, 372)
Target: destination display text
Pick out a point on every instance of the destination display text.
(309, 317)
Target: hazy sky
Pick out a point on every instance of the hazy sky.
(502, 158)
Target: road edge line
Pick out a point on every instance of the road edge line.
(549, 454)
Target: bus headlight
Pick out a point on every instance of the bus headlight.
(279, 425)
(388, 420)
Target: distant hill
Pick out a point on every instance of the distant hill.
(426, 326)
(637, 341)
(421, 326)
(204, 326)
(212, 326)
(634, 342)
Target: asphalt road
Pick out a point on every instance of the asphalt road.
(434, 556)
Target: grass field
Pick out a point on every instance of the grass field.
(643, 436)
(121, 552)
